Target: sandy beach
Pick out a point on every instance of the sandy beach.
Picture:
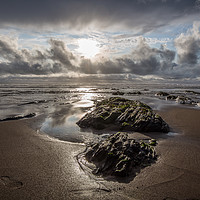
(35, 166)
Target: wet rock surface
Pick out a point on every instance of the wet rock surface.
(120, 156)
(180, 99)
(184, 100)
(122, 114)
(171, 97)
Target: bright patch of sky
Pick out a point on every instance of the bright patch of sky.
(111, 44)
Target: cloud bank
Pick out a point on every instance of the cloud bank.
(144, 60)
(188, 46)
(141, 15)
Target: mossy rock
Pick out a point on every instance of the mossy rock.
(122, 114)
(119, 156)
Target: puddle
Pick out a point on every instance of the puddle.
(84, 104)
(172, 134)
(61, 123)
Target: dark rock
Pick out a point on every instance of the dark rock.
(184, 100)
(161, 94)
(192, 92)
(30, 115)
(171, 97)
(120, 156)
(181, 99)
(118, 93)
(123, 114)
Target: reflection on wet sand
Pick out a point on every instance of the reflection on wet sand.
(61, 123)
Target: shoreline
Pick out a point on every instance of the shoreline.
(33, 166)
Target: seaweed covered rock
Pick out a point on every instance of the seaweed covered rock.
(123, 114)
(120, 156)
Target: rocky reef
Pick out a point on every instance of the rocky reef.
(120, 156)
(118, 113)
(180, 99)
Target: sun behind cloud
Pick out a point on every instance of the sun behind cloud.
(88, 47)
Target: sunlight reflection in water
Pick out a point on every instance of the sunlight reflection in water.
(172, 134)
(61, 123)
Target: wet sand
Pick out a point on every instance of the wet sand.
(176, 174)
(34, 166)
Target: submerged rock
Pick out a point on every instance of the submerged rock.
(120, 156)
(123, 114)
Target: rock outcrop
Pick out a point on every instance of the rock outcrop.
(120, 156)
(122, 114)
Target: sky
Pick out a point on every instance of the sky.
(122, 39)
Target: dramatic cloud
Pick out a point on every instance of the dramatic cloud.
(136, 38)
(56, 59)
(139, 15)
(188, 46)
(143, 60)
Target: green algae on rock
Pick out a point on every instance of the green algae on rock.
(123, 114)
(120, 156)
